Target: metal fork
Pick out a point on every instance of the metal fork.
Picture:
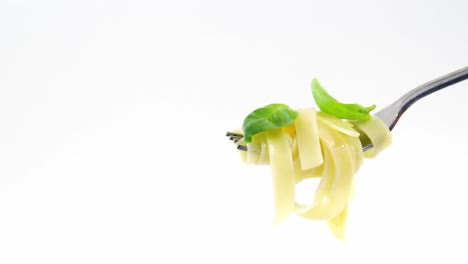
(392, 113)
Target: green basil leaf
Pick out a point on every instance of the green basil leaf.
(266, 118)
(330, 105)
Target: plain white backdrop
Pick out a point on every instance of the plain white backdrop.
(113, 115)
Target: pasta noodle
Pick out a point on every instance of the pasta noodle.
(316, 145)
(307, 139)
(283, 169)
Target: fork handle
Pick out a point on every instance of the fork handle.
(392, 113)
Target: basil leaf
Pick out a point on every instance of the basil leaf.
(266, 118)
(330, 105)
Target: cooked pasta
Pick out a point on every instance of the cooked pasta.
(316, 145)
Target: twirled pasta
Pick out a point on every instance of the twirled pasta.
(316, 145)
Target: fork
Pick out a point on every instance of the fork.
(392, 113)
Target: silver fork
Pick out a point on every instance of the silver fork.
(392, 113)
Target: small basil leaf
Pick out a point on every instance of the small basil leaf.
(330, 105)
(266, 118)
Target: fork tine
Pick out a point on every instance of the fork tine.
(236, 137)
(234, 134)
(242, 147)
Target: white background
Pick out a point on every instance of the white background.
(113, 115)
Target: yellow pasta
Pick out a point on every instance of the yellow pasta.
(282, 172)
(379, 140)
(316, 145)
(308, 139)
(333, 196)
